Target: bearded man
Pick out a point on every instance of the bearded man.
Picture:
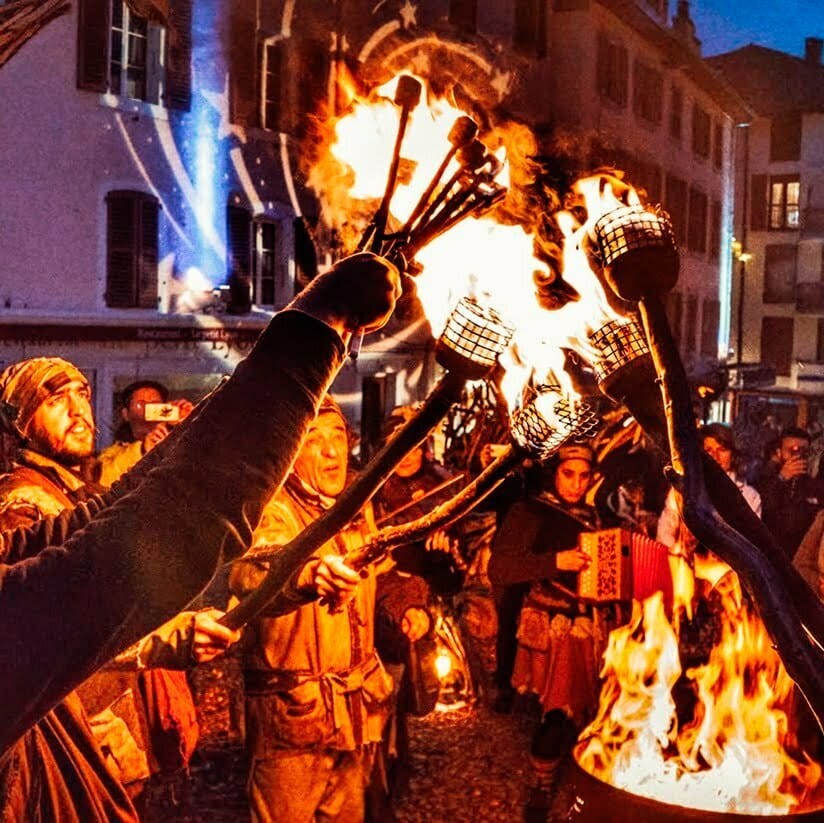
(55, 427)
(56, 430)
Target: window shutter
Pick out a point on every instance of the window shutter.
(238, 231)
(274, 110)
(244, 59)
(777, 343)
(93, 45)
(785, 137)
(239, 259)
(674, 306)
(710, 317)
(179, 56)
(131, 270)
(147, 259)
(120, 254)
(530, 27)
(758, 202)
(313, 82)
(154, 44)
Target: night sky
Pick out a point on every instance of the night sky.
(725, 25)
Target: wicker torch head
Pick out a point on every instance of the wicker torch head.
(549, 421)
(638, 251)
(473, 339)
(618, 343)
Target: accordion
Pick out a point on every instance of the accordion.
(625, 566)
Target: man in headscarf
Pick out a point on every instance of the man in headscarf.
(317, 695)
(68, 608)
(46, 403)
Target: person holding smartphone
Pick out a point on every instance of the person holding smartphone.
(790, 496)
(146, 418)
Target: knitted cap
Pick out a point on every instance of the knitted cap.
(576, 451)
(329, 404)
(25, 385)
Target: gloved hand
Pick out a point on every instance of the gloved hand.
(358, 294)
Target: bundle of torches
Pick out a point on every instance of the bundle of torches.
(733, 756)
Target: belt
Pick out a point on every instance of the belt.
(265, 681)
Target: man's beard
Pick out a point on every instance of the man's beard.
(71, 457)
(62, 451)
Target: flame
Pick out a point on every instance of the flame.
(733, 756)
(487, 259)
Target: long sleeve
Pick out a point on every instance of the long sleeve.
(71, 608)
(117, 459)
(513, 558)
(278, 525)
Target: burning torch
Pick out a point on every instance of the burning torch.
(471, 190)
(638, 259)
(538, 430)
(468, 349)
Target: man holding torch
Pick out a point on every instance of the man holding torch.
(317, 695)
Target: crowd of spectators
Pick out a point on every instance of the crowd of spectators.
(340, 659)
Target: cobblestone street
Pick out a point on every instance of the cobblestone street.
(468, 764)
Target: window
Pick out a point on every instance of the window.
(127, 55)
(700, 132)
(647, 92)
(784, 200)
(715, 230)
(785, 137)
(251, 259)
(131, 254)
(718, 145)
(135, 58)
(777, 343)
(612, 70)
(263, 264)
(697, 229)
(529, 35)
(676, 205)
(464, 14)
(780, 265)
(676, 113)
(710, 316)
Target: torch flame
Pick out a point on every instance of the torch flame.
(486, 259)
